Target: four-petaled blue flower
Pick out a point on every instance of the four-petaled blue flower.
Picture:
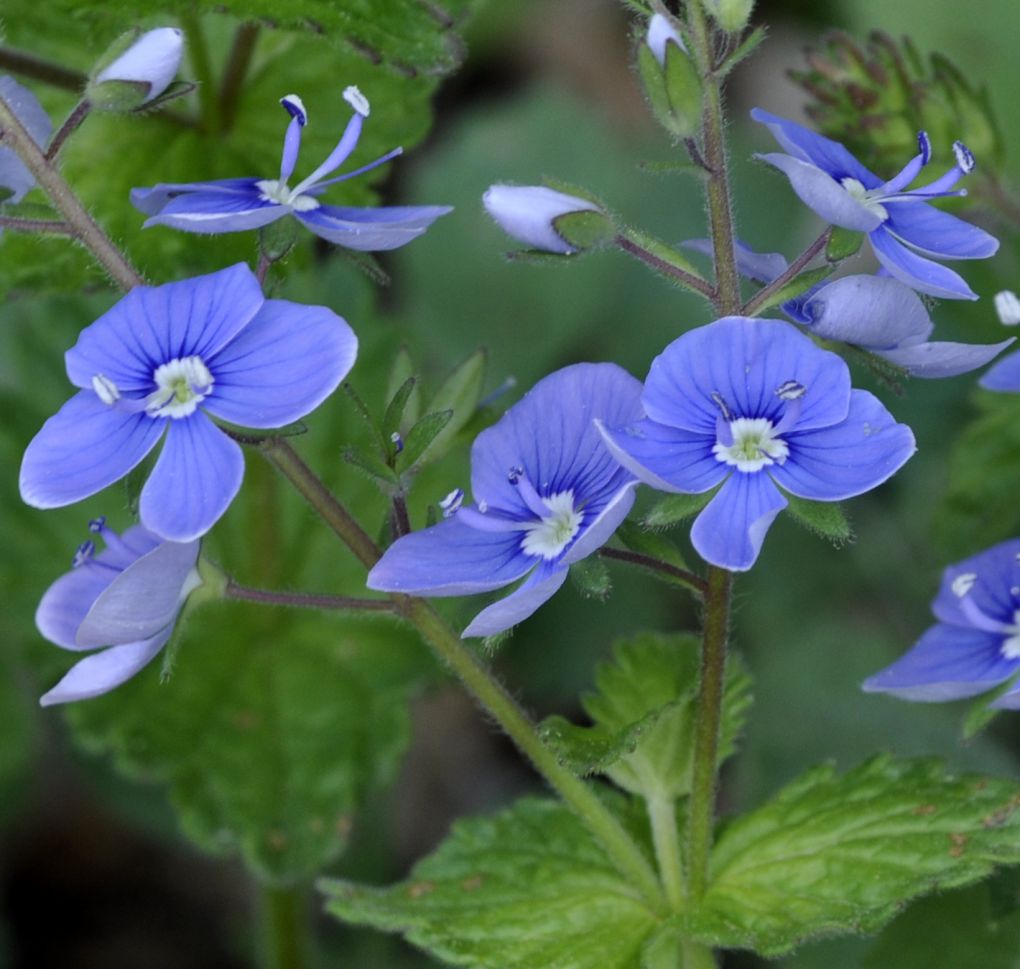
(975, 645)
(15, 178)
(162, 361)
(902, 227)
(753, 405)
(237, 204)
(126, 598)
(546, 493)
(877, 313)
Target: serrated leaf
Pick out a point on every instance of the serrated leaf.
(834, 854)
(674, 509)
(796, 286)
(525, 888)
(269, 732)
(643, 715)
(420, 438)
(842, 243)
(460, 393)
(589, 750)
(824, 518)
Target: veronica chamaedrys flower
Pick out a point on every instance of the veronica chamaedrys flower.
(141, 72)
(975, 645)
(528, 213)
(125, 598)
(15, 178)
(166, 359)
(877, 313)
(546, 493)
(903, 228)
(237, 204)
(660, 33)
(754, 406)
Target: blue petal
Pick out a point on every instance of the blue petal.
(1004, 376)
(946, 663)
(596, 531)
(371, 230)
(936, 233)
(823, 194)
(65, 603)
(281, 366)
(666, 458)
(102, 671)
(14, 175)
(876, 312)
(153, 325)
(917, 272)
(998, 572)
(141, 601)
(83, 448)
(742, 362)
(816, 149)
(540, 586)
(731, 528)
(196, 477)
(939, 359)
(209, 213)
(151, 200)
(852, 457)
(551, 434)
(451, 559)
(762, 267)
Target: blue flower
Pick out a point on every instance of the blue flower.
(15, 178)
(975, 645)
(755, 406)
(126, 598)
(236, 204)
(163, 361)
(877, 313)
(546, 494)
(528, 213)
(902, 227)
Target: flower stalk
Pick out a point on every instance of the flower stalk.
(305, 600)
(764, 294)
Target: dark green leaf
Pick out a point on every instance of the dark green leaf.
(842, 243)
(421, 437)
(523, 889)
(841, 854)
(591, 577)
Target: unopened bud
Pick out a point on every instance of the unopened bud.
(546, 219)
(669, 77)
(731, 15)
(660, 33)
(136, 69)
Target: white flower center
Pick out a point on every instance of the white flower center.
(1011, 646)
(181, 385)
(551, 535)
(273, 190)
(754, 445)
(869, 199)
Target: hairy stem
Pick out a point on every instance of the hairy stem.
(35, 225)
(85, 228)
(687, 279)
(235, 73)
(706, 730)
(694, 582)
(68, 128)
(288, 941)
(666, 837)
(305, 600)
(401, 519)
(793, 270)
(28, 65)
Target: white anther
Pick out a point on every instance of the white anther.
(295, 107)
(963, 583)
(450, 505)
(964, 157)
(1008, 307)
(105, 389)
(790, 390)
(357, 100)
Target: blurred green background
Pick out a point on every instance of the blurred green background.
(94, 870)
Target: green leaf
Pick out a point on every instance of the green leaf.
(585, 229)
(591, 577)
(824, 518)
(639, 539)
(523, 889)
(745, 49)
(663, 253)
(590, 750)
(421, 437)
(394, 416)
(643, 715)
(835, 854)
(796, 286)
(674, 509)
(842, 244)
(270, 732)
(372, 466)
(460, 394)
(403, 367)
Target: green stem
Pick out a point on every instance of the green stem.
(85, 228)
(693, 582)
(727, 279)
(706, 730)
(235, 72)
(579, 795)
(666, 837)
(288, 942)
(304, 600)
(28, 65)
(635, 249)
(201, 64)
(763, 295)
(68, 128)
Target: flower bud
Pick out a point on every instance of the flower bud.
(660, 33)
(731, 15)
(669, 77)
(1007, 306)
(546, 219)
(136, 69)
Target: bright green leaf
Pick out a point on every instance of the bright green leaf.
(796, 286)
(421, 437)
(842, 244)
(834, 854)
(676, 508)
(523, 889)
(824, 518)
(403, 368)
(394, 416)
(459, 393)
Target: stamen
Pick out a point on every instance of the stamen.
(717, 399)
(964, 157)
(1008, 307)
(97, 525)
(295, 107)
(381, 160)
(924, 146)
(450, 505)
(357, 100)
(790, 390)
(83, 553)
(538, 505)
(397, 441)
(963, 583)
(105, 389)
(503, 388)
